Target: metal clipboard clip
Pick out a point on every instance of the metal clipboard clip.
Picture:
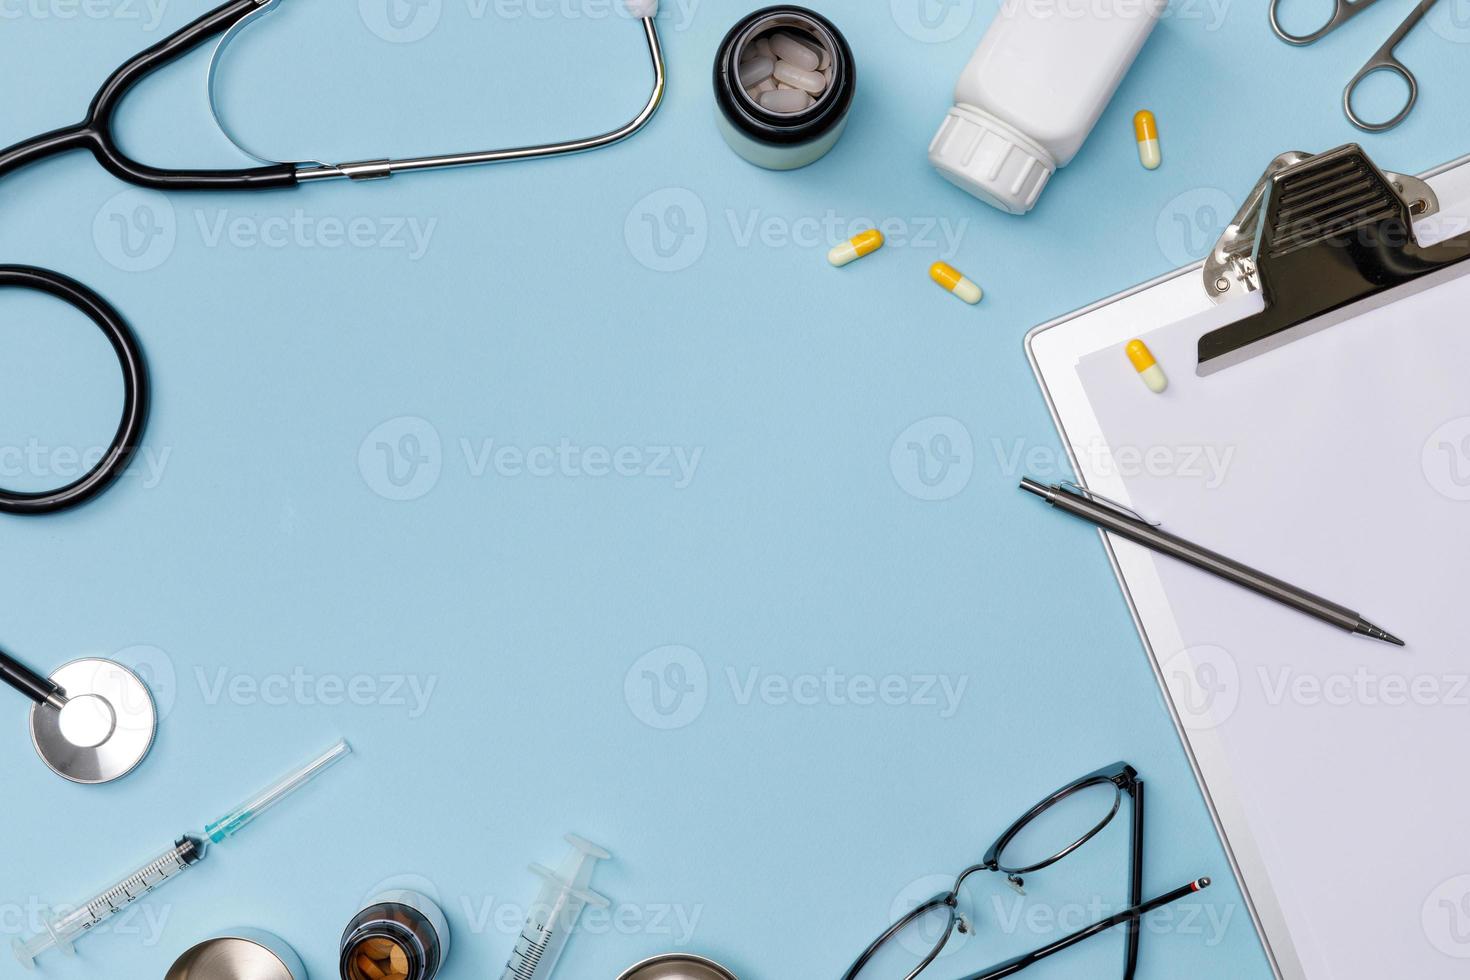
(1319, 233)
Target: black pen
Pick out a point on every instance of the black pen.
(1112, 517)
(1020, 963)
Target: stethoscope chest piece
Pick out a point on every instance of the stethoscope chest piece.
(102, 730)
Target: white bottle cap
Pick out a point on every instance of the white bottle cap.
(991, 159)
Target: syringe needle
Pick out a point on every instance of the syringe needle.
(241, 816)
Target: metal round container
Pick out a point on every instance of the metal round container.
(243, 954)
(677, 966)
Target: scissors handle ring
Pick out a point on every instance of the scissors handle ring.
(1345, 11)
(1383, 63)
(135, 393)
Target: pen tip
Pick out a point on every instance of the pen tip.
(1368, 629)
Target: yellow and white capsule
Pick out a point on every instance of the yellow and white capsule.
(1146, 129)
(951, 279)
(863, 243)
(1148, 369)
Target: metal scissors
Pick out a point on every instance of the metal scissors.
(1384, 60)
(95, 134)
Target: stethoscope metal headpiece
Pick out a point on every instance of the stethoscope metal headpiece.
(92, 721)
(642, 10)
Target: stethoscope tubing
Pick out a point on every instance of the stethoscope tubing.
(39, 689)
(95, 133)
(135, 392)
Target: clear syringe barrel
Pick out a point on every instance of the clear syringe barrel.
(564, 896)
(62, 930)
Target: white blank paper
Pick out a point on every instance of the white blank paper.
(1340, 463)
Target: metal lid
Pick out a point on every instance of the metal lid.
(249, 955)
(105, 728)
(677, 966)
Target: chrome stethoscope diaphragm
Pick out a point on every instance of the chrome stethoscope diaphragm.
(92, 721)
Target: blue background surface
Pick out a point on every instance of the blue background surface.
(497, 632)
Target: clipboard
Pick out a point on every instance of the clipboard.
(1334, 274)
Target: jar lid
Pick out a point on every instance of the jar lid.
(991, 159)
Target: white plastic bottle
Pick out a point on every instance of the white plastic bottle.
(1042, 76)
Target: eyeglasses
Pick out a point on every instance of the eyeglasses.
(1048, 832)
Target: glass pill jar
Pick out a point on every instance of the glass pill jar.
(400, 935)
(784, 86)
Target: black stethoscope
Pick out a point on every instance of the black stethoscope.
(95, 133)
(93, 720)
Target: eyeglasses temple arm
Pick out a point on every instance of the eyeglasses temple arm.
(1013, 966)
(1135, 882)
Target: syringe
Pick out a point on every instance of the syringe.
(63, 930)
(551, 920)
